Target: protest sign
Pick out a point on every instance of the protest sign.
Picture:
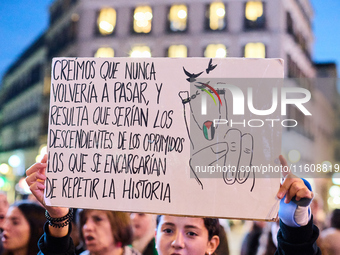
(166, 136)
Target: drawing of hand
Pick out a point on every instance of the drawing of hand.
(216, 145)
(239, 157)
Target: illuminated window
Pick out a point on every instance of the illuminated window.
(140, 52)
(178, 18)
(215, 51)
(255, 50)
(106, 21)
(254, 15)
(105, 52)
(142, 19)
(177, 51)
(216, 16)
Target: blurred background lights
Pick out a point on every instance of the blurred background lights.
(148, 15)
(217, 16)
(255, 50)
(104, 52)
(294, 156)
(220, 12)
(215, 51)
(38, 158)
(14, 161)
(178, 17)
(177, 51)
(75, 17)
(107, 21)
(334, 191)
(182, 14)
(333, 202)
(106, 26)
(336, 200)
(140, 52)
(22, 186)
(4, 168)
(42, 151)
(336, 178)
(142, 19)
(254, 10)
(2, 182)
(221, 53)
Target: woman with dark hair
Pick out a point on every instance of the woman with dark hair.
(105, 232)
(23, 227)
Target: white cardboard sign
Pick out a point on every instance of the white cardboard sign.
(138, 135)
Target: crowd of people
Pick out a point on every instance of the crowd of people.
(31, 227)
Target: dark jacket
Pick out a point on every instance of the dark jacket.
(151, 248)
(50, 245)
(298, 240)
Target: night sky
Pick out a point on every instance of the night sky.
(22, 21)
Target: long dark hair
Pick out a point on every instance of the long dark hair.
(35, 216)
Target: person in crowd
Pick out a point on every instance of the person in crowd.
(189, 235)
(143, 228)
(250, 242)
(186, 235)
(3, 210)
(319, 215)
(105, 232)
(268, 240)
(330, 237)
(22, 228)
(75, 233)
(319, 218)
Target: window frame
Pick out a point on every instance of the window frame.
(133, 21)
(249, 25)
(265, 49)
(207, 18)
(167, 51)
(97, 31)
(205, 48)
(168, 29)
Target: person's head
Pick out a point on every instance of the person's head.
(143, 224)
(3, 208)
(186, 235)
(335, 219)
(104, 230)
(24, 225)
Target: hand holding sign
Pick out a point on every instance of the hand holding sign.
(296, 195)
(35, 180)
